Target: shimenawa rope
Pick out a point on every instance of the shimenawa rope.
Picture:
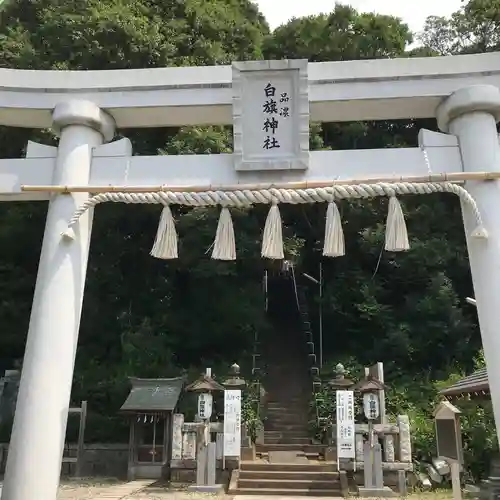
(396, 236)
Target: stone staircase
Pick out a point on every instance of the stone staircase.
(287, 408)
(287, 381)
(288, 463)
(293, 479)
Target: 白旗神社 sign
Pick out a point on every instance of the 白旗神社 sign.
(270, 115)
(270, 105)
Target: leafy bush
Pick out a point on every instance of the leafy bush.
(250, 410)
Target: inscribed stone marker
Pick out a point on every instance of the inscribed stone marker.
(271, 115)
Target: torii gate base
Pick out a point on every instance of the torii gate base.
(470, 113)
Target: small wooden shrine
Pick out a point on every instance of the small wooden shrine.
(150, 406)
(473, 386)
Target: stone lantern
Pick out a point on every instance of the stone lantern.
(370, 389)
(235, 381)
(205, 386)
(340, 382)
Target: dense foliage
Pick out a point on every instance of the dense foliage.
(145, 317)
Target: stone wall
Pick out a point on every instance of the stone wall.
(101, 460)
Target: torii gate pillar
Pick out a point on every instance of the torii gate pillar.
(471, 114)
(37, 441)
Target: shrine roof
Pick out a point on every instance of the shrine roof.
(475, 384)
(153, 394)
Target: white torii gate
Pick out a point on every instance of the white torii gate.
(85, 107)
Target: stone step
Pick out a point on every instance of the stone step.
(286, 409)
(278, 411)
(296, 375)
(288, 484)
(295, 382)
(287, 493)
(303, 431)
(283, 412)
(288, 403)
(276, 423)
(284, 415)
(312, 457)
(288, 400)
(280, 427)
(259, 466)
(284, 390)
(287, 475)
(299, 426)
(305, 448)
(290, 433)
(288, 397)
(295, 371)
(287, 440)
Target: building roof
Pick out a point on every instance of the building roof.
(153, 394)
(205, 383)
(475, 384)
(369, 384)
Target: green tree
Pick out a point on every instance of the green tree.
(342, 35)
(474, 28)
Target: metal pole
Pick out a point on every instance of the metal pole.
(265, 291)
(320, 315)
(372, 454)
(153, 455)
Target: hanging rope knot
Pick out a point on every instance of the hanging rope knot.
(165, 245)
(396, 234)
(334, 245)
(272, 239)
(224, 246)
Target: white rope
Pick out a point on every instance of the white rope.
(247, 198)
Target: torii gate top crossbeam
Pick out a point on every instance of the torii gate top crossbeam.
(338, 91)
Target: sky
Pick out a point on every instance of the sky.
(413, 12)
